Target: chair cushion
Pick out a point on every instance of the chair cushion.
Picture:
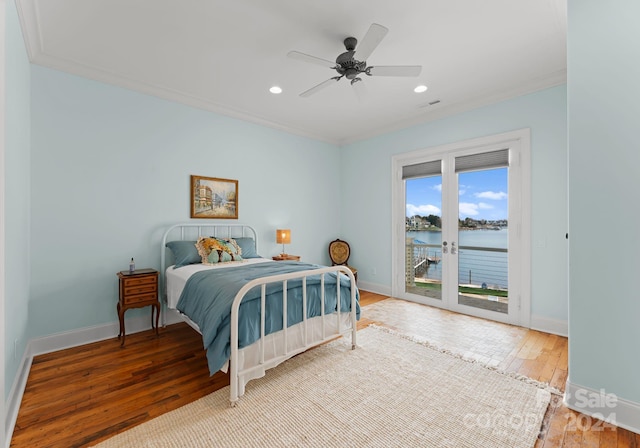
(339, 252)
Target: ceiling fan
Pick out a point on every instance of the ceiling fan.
(353, 62)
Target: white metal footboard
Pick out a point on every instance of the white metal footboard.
(236, 374)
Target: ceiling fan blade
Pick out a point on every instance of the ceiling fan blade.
(312, 59)
(370, 41)
(322, 85)
(395, 70)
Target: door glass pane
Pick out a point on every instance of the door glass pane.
(423, 236)
(483, 239)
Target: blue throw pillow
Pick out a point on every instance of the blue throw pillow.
(220, 256)
(231, 248)
(248, 246)
(184, 253)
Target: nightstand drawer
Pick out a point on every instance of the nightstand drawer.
(140, 298)
(139, 289)
(142, 280)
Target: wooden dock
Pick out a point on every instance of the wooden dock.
(423, 261)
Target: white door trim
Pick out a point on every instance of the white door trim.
(3, 8)
(520, 139)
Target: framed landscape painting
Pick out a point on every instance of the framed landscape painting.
(214, 198)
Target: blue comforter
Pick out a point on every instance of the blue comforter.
(208, 295)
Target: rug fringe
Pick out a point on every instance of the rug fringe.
(514, 375)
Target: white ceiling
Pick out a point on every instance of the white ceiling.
(223, 55)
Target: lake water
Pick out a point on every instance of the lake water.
(474, 266)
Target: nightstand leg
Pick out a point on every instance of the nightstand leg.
(121, 318)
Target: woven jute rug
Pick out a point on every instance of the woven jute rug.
(390, 391)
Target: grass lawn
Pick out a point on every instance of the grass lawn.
(466, 289)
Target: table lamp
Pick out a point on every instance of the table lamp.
(283, 236)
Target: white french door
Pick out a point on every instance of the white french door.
(461, 227)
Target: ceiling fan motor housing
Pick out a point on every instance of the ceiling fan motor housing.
(346, 64)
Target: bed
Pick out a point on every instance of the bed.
(253, 313)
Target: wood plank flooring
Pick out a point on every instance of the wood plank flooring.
(80, 396)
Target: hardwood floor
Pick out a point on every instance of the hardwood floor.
(80, 396)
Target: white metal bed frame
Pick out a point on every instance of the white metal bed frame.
(187, 231)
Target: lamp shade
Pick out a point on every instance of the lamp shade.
(283, 236)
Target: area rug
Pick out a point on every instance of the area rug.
(390, 391)
(464, 334)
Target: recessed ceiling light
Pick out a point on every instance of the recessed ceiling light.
(420, 89)
(275, 89)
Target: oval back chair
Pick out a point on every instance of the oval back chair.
(339, 252)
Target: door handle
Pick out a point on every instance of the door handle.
(454, 249)
(445, 249)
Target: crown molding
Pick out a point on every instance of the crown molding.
(551, 80)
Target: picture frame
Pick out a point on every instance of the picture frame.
(214, 198)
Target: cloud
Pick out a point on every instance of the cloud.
(460, 192)
(496, 196)
(484, 206)
(423, 210)
(468, 209)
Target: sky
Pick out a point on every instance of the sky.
(482, 195)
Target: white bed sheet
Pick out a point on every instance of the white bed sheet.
(177, 278)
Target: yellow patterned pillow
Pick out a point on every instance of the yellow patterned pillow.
(216, 250)
(234, 249)
(206, 244)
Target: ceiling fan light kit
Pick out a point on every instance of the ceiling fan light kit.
(353, 62)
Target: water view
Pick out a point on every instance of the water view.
(475, 267)
(477, 215)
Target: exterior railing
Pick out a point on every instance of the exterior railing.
(484, 267)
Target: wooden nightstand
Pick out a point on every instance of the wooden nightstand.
(286, 257)
(137, 290)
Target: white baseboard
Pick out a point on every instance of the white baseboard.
(15, 395)
(602, 405)
(173, 317)
(375, 287)
(87, 335)
(550, 325)
(61, 341)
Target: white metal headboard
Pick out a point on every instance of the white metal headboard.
(192, 231)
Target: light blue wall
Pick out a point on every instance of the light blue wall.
(110, 171)
(17, 204)
(366, 181)
(604, 167)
